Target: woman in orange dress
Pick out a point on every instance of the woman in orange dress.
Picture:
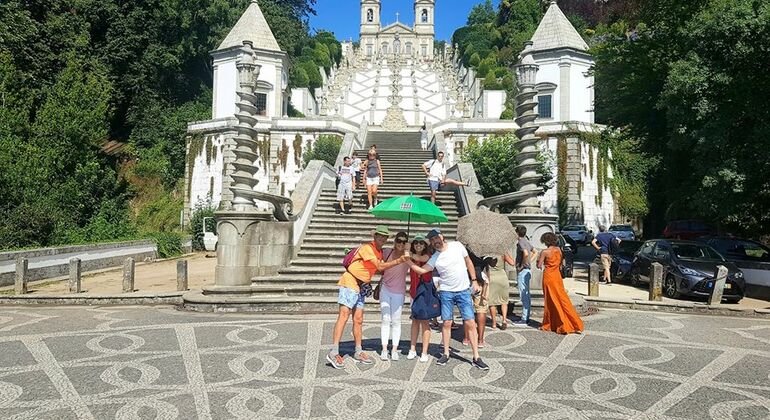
(559, 315)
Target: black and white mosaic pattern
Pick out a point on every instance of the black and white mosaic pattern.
(159, 363)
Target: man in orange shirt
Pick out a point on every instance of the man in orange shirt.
(367, 262)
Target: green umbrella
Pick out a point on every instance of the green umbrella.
(409, 208)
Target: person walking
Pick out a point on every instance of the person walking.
(559, 315)
(420, 254)
(347, 185)
(356, 165)
(352, 284)
(453, 264)
(524, 250)
(392, 290)
(499, 295)
(424, 137)
(374, 177)
(436, 172)
(604, 243)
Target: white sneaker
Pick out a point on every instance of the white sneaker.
(424, 358)
(394, 355)
(370, 207)
(384, 355)
(520, 324)
(412, 354)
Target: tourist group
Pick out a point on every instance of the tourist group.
(444, 275)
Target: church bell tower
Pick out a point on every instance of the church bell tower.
(424, 28)
(370, 25)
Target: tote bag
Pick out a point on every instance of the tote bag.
(426, 304)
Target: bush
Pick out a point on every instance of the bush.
(493, 162)
(202, 209)
(169, 243)
(326, 148)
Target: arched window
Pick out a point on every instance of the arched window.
(370, 15)
(424, 16)
(408, 48)
(396, 47)
(384, 48)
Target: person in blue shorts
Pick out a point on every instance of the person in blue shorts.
(453, 265)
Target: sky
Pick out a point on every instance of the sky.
(343, 16)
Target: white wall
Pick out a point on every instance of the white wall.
(225, 88)
(205, 168)
(595, 214)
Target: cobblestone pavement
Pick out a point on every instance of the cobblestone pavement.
(157, 362)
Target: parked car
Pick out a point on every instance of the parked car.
(689, 269)
(568, 256)
(622, 260)
(751, 257)
(624, 232)
(579, 233)
(572, 243)
(687, 229)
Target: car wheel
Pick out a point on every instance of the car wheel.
(669, 287)
(568, 270)
(733, 300)
(636, 280)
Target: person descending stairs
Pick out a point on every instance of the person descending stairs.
(311, 278)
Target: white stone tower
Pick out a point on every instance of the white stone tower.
(564, 83)
(370, 25)
(271, 86)
(424, 26)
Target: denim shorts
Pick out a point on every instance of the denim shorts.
(434, 185)
(463, 301)
(350, 298)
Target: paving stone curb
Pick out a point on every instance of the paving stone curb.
(675, 307)
(166, 298)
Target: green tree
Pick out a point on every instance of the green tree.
(326, 148)
(482, 13)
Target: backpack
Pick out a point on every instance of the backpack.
(350, 257)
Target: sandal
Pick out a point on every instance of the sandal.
(504, 326)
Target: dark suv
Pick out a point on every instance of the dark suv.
(689, 269)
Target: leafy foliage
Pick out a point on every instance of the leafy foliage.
(75, 74)
(202, 210)
(326, 148)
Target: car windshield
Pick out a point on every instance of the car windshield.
(629, 247)
(745, 250)
(574, 227)
(622, 228)
(696, 252)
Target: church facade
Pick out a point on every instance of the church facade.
(397, 38)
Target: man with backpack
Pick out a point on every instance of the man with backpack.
(604, 244)
(354, 286)
(436, 173)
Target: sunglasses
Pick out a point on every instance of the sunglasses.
(401, 241)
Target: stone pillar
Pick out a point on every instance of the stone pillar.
(720, 278)
(238, 235)
(593, 279)
(129, 266)
(574, 178)
(656, 282)
(22, 266)
(564, 90)
(75, 272)
(181, 275)
(527, 165)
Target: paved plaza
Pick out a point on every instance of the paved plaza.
(157, 362)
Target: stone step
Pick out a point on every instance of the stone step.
(360, 213)
(350, 239)
(422, 192)
(367, 224)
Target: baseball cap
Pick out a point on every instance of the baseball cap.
(433, 233)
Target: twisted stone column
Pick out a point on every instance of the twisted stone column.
(526, 148)
(246, 147)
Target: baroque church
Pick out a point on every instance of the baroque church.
(394, 80)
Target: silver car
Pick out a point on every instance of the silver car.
(624, 232)
(578, 233)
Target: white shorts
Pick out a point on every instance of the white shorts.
(373, 181)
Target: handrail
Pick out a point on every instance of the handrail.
(317, 175)
(508, 198)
